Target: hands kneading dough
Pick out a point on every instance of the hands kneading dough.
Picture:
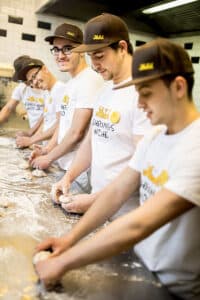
(42, 255)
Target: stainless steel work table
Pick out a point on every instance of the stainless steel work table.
(27, 215)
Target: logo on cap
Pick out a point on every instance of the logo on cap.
(146, 66)
(70, 33)
(98, 37)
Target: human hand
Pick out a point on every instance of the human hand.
(38, 151)
(79, 203)
(60, 188)
(23, 141)
(42, 162)
(22, 133)
(50, 272)
(55, 245)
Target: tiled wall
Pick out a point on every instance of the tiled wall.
(12, 45)
(195, 55)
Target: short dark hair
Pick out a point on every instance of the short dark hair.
(115, 46)
(188, 77)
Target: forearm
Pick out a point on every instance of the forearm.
(106, 204)
(82, 159)
(36, 128)
(43, 135)
(52, 143)
(118, 236)
(4, 114)
(67, 145)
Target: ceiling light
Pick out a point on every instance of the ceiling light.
(165, 6)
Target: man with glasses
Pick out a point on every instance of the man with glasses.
(31, 97)
(117, 123)
(77, 104)
(44, 80)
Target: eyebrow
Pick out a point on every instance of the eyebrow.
(95, 52)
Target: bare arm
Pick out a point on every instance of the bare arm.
(8, 108)
(40, 135)
(45, 135)
(128, 230)
(82, 160)
(37, 126)
(120, 235)
(74, 135)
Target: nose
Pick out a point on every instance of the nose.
(141, 103)
(61, 55)
(95, 66)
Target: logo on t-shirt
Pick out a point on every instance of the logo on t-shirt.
(159, 180)
(105, 122)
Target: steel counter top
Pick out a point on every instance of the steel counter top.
(27, 215)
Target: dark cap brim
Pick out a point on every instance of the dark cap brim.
(140, 80)
(90, 47)
(15, 77)
(22, 74)
(52, 37)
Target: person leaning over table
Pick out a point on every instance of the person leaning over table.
(46, 81)
(29, 95)
(166, 168)
(117, 124)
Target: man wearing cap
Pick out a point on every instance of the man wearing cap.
(166, 168)
(117, 123)
(32, 98)
(44, 80)
(77, 104)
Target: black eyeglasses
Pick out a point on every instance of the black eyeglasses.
(66, 50)
(33, 77)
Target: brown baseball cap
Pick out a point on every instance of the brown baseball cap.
(158, 58)
(66, 31)
(18, 64)
(29, 64)
(102, 31)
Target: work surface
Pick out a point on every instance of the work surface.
(27, 215)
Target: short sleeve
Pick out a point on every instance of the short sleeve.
(185, 178)
(18, 91)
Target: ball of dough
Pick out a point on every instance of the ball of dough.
(39, 173)
(42, 255)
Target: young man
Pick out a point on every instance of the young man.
(117, 123)
(44, 80)
(77, 104)
(165, 226)
(31, 97)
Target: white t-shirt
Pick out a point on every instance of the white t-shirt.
(116, 119)
(172, 162)
(33, 100)
(80, 92)
(52, 102)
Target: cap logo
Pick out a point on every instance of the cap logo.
(98, 37)
(31, 64)
(70, 33)
(146, 66)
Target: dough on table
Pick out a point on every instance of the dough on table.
(24, 165)
(39, 173)
(66, 199)
(42, 255)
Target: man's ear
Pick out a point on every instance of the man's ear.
(181, 85)
(123, 45)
